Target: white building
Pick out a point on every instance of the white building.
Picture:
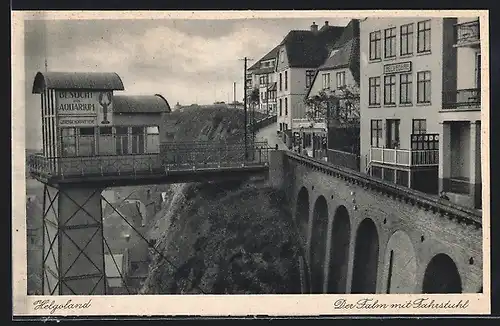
(405, 66)
(263, 78)
(300, 53)
(460, 117)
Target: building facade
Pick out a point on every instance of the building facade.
(404, 64)
(299, 55)
(336, 77)
(263, 78)
(460, 118)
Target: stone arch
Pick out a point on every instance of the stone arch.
(302, 213)
(365, 266)
(400, 264)
(441, 276)
(318, 244)
(339, 251)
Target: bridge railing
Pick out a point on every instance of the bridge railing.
(468, 215)
(187, 156)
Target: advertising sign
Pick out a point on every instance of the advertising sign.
(397, 68)
(84, 108)
(77, 121)
(77, 102)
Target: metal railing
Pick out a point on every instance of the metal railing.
(185, 156)
(462, 99)
(467, 33)
(405, 157)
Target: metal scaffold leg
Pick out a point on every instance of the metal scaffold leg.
(73, 248)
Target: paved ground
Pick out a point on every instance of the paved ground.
(269, 133)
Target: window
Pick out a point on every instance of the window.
(121, 140)
(281, 82)
(341, 79)
(264, 80)
(281, 107)
(406, 39)
(419, 126)
(390, 89)
(375, 45)
(286, 80)
(137, 140)
(86, 141)
(392, 133)
(405, 89)
(390, 42)
(424, 36)
(326, 81)
(309, 78)
(376, 133)
(282, 55)
(424, 87)
(105, 144)
(374, 96)
(376, 172)
(388, 175)
(68, 142)
(286, 105)
(152, 139)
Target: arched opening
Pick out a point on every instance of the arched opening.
(441, 276)
(364, 274)
(318, 244)
(339, 251)
(302, 213)
(400, 264)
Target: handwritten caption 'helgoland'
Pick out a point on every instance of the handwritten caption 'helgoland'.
(52, 307)
(420, 303)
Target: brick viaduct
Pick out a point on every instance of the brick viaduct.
(364, 235)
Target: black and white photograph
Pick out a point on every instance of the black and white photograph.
(303, 154)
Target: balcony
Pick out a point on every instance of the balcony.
(467, 34)
(462, 99)
(405, 157)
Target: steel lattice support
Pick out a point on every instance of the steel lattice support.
(73, 246)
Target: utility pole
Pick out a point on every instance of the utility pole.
(234, 94)
(245, 103)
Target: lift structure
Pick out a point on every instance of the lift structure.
(93, 140)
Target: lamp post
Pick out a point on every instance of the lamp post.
(245, 59)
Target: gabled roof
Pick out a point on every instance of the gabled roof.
(343, 57)
(77, 80)
(256, 69)
(140, 104)
(307, 49)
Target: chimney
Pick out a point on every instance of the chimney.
(314, 27)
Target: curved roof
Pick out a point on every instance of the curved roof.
(77, 80)
(140, 104)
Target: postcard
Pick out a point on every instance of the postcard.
(240, 163)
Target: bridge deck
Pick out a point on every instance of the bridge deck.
(181, 162)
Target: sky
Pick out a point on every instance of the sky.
(186, 61)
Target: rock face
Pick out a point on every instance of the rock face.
(226, 238)
(231, 237)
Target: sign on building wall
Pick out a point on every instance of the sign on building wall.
(84, 108)
(396, 68)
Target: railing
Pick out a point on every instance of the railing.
(405, 157)
(462, 99)
(467, 33)
(306, 123)
(462, 213)
(186, 156)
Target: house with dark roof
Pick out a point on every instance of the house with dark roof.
(299, 55)
(263, 77)
(340, 71)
